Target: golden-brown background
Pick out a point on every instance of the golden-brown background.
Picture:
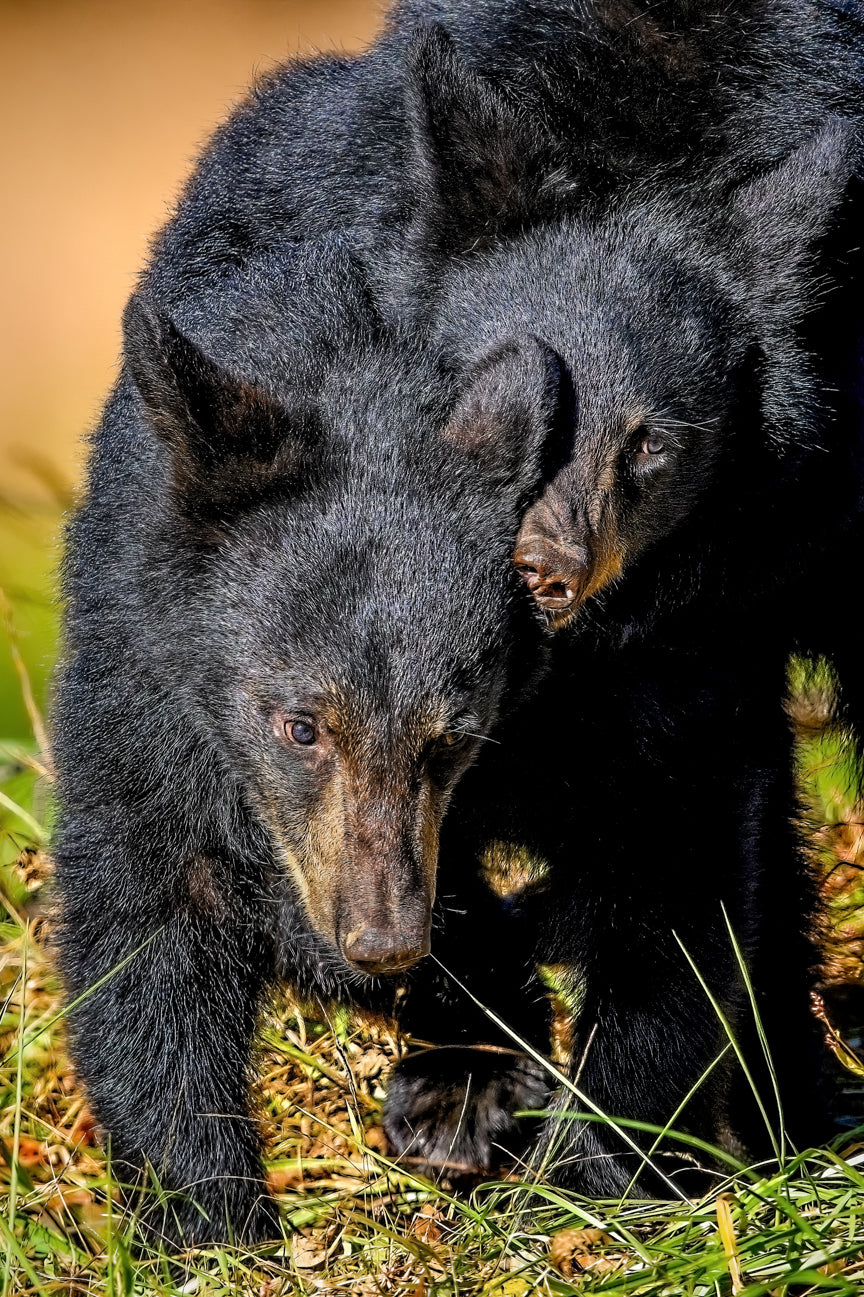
(103, 104)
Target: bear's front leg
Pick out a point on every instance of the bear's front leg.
(648, 1044)
(164, 988)
(637, 1052)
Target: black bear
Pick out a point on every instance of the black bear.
(715, 94)
(292, 619)
(316, 463)
(711, 397)
(717, 97)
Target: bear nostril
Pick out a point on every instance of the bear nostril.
(529, 575)
(554, 573)
(384, 950)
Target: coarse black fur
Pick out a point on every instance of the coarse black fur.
(440, 142)
(672, 811)
(344, 145)
(688, 92)
(709, 353)
(675, 89)
(292, 616)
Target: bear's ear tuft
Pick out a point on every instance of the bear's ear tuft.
(477, 167)
(505, 417)
(228, 439)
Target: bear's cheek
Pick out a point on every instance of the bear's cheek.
(306, 818)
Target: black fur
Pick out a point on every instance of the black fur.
(256, 539)
(685, 90)
(707, 321)
(485, 188)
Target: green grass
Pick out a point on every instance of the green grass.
(353, 1222)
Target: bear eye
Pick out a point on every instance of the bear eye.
(652, 445)
(452, 739)
(301, 732)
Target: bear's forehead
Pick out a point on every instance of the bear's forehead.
(411, 552)
(378, 653)
(593, 293)
(367, 617)
(367, 714)
(374, 702)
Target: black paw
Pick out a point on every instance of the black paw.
(450, 1111)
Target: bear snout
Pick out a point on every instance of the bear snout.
(554, 573)
(377, 948)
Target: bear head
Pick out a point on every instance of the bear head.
(334, 557)
(673, 312)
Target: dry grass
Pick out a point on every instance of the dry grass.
(354, 1223)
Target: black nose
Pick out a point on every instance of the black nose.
(385, 950)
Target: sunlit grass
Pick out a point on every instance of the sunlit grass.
(355, 1223)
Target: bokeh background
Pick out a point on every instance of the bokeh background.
(104, 105)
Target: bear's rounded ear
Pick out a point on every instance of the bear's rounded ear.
(777, 219)
(773, 228)
(505, 416)
(228, 439)
(195, 406)
(477, 168)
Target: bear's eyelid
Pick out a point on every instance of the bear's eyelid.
(465, 722)
(284, 717)
(469, 727)
(458, 728)
(667, 440)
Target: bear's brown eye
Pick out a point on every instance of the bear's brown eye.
(652, 445)
(301, 732)
(452, 738)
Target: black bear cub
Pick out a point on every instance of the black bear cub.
(702, 483)
(292, 620)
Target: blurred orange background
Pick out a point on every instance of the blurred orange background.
(105, 105)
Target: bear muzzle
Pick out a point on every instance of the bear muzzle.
(563, 561)
(555, 574)
(377, 949)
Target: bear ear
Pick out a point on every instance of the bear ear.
(778, 218)
(505, 418)
(477, 168)
(228, 439)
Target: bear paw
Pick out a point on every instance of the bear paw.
(449, 1111)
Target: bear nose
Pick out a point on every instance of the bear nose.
(385, 950)
(553, 573)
